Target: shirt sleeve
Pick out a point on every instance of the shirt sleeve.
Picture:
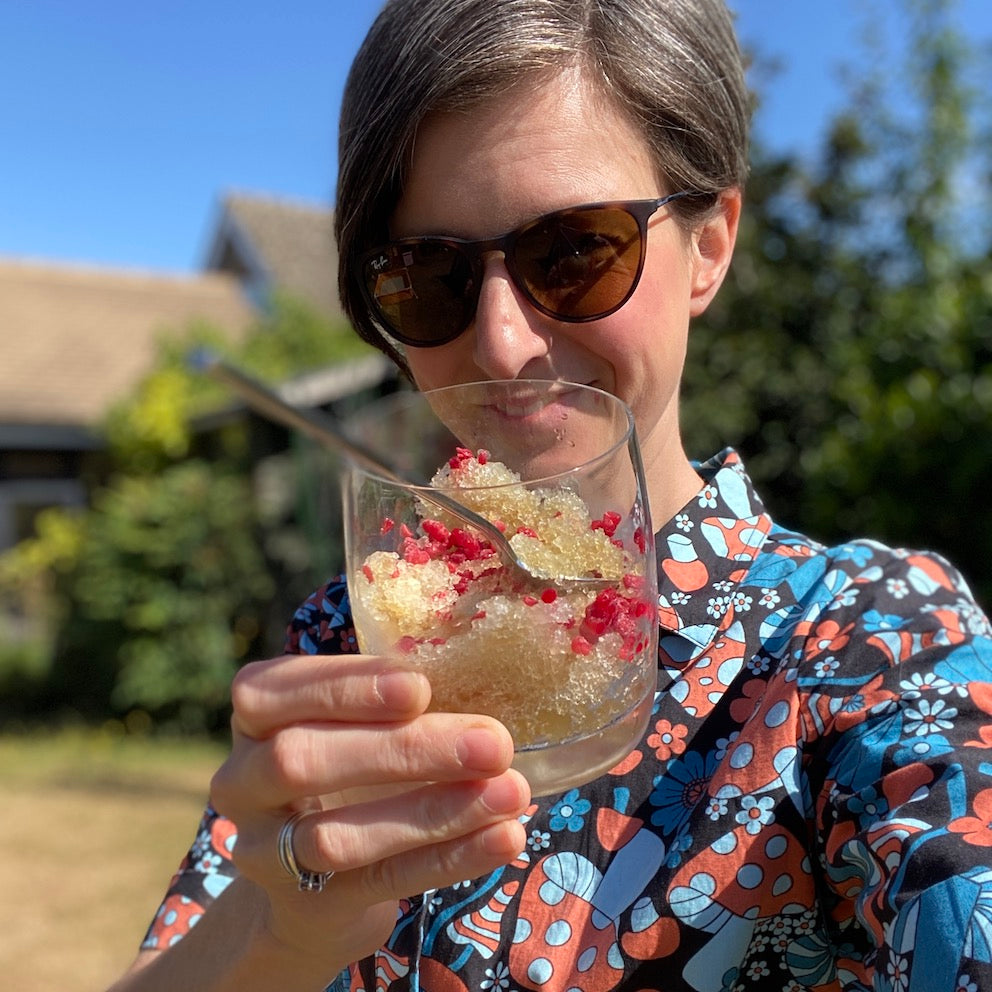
(900, 704)
(322, 625)
(202, 876)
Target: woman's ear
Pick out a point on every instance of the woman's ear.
(713, 248)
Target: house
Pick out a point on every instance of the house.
(277, 245)
(74, 339)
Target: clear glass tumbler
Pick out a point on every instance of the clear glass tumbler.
(566, 657)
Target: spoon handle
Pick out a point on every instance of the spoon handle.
(323, 428)
(268, 403)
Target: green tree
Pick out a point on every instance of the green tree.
(163, 600)
(170, 580)
(850, 355)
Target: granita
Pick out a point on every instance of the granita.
(552, 661)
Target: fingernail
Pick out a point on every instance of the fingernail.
(480, 750)
(501, 795)
(399, 691)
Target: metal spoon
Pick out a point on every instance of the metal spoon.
(324, 429)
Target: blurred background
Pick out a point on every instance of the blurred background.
(167, 181)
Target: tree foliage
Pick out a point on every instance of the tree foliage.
(151, 598)
(850, 354)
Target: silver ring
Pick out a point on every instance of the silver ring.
(306, 881)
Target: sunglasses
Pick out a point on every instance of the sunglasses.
(575, 265)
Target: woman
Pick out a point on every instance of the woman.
(810, 800)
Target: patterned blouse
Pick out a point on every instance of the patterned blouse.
(810, 807)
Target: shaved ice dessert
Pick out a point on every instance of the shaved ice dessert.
(555, 661)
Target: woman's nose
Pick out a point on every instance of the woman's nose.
(507, 329)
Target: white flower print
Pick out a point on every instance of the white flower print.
(897, 588)
(715, 808)
(770, 598)
(896, 968)
(780, 943)
(724, 585)
(497, 977)
(759, 942)
(825, 667)
(758, 969)
(756, 813)
(930, 717)
(918, 683)
(707, 498)
(539, 839)
(965, 984)
(741, 601)
(683, 522)
(679, 598)
(718, 606)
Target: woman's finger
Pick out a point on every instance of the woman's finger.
(305, 761)
(443, 864)
(354, 837)
(268, 695)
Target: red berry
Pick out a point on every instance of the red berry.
(466, 542)
(436, 531)
(461, 456)
(414, 554)
(608, 524)
(639, 539)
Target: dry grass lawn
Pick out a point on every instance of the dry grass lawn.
(92, 828)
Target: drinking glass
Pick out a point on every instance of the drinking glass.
(563, 653)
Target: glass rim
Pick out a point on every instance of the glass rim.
(627, 435)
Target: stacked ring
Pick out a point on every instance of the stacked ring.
(306, 881)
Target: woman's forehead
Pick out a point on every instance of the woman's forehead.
(478, 172)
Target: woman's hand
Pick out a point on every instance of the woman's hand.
(402, 800)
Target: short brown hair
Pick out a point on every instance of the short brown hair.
(673, 66)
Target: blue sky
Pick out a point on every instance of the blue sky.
(123, 122)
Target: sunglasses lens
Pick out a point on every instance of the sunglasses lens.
(424, 291)
(579, 264)
(574, 265)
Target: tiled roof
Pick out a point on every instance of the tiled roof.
(75, 339)
(278, 244)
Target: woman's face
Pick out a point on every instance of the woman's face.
(530, 151)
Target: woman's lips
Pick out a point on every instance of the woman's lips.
(528, 403)
(522, 406)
